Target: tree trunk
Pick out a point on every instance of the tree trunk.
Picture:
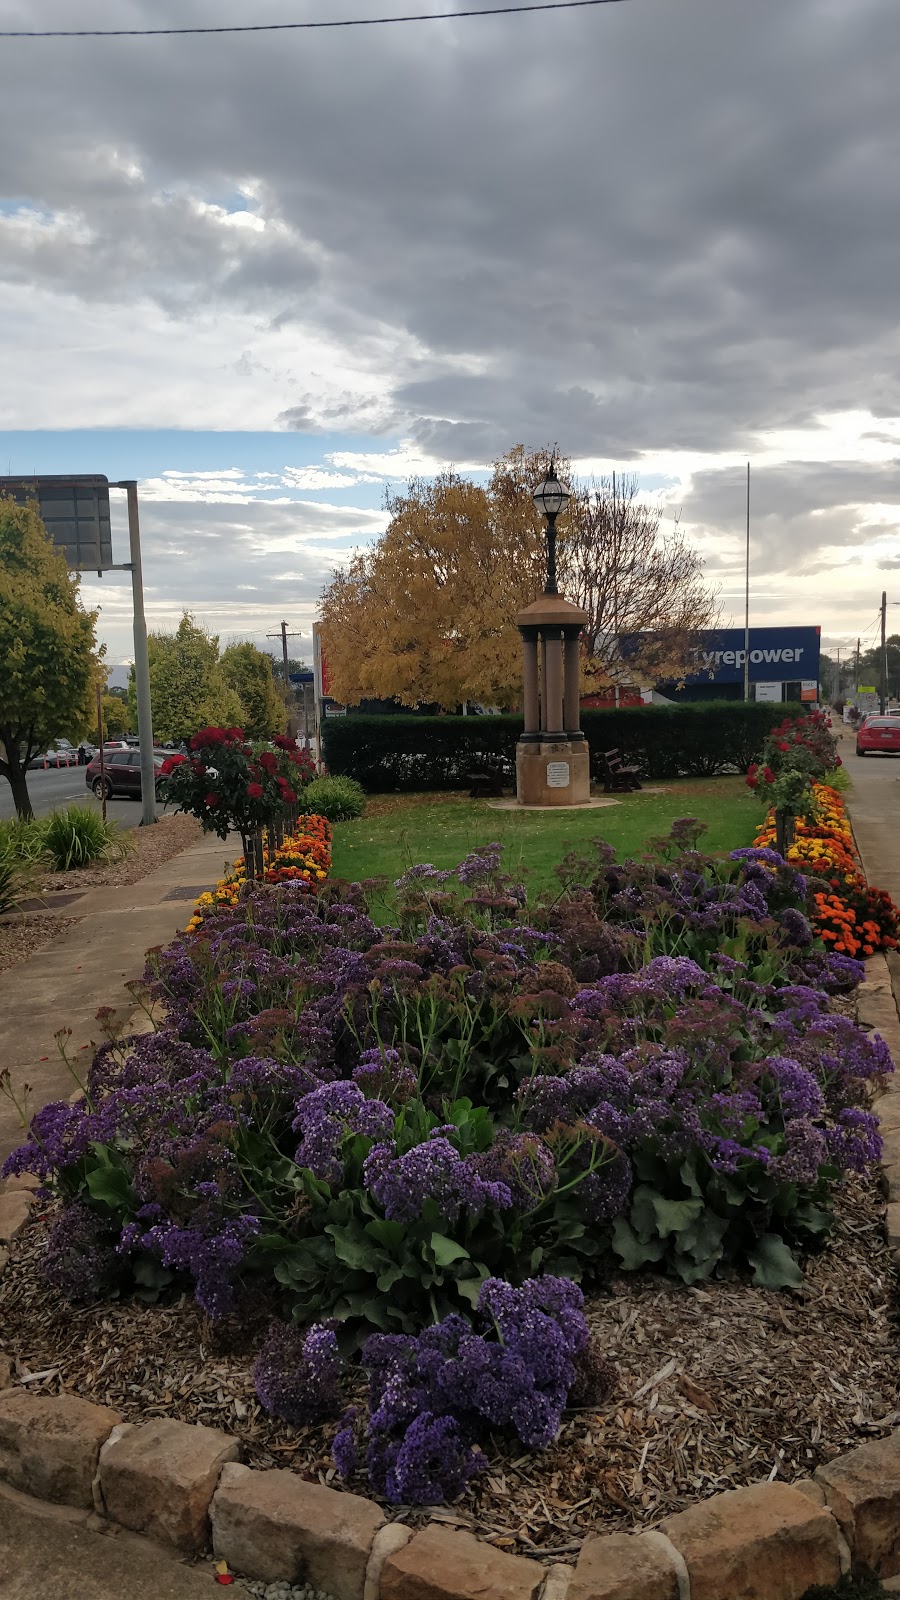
(784, 831)
(17, 773)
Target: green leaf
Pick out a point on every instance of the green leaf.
(446, 1250)
(634, 1252)
(351, 1249)
(675, 1216)
(773, 1264)
(110, 1185)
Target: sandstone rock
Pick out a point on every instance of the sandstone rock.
(811, 1489)
(439, 1564)
(6, 1367)
(623, 1566)
(50, 1445)
(159, 1479)
(23, 1180)
(767, 1542)
(275, 1526)
(862, 1488)
(15, 1209)
(557, 1582)
(392, 1537)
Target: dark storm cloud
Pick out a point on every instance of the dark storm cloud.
(650, 226)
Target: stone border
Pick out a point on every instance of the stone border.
(182, 1484)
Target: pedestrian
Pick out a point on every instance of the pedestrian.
(82, 756)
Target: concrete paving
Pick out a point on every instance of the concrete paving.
(51, 1553)
(874, 806)
(64, 984)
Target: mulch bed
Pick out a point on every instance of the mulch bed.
(717, 1386)
(20, 937)
(152, 847)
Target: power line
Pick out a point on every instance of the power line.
(284, 27)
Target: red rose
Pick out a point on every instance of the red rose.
(783, 745)
(281, 741)
(268, 762)
(287, 793)
(254, 791)
(768, 775)
(838, 762)
(211, 800)
(169, 765)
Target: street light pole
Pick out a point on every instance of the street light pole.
(284, 635)
(883, 651)
(747, 597)
(141, 656)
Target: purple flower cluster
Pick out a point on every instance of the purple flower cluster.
(432, 1397)
(297, 1374)
(432, 1171)
(328, 1116)
(81, 1260)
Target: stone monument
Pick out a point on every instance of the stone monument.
(552, 758)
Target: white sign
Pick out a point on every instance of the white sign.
(335, 711)
(768, 691)
(808, 683)
(557, 774)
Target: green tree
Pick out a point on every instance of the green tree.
(48, 646)
(187, 687)
(114, 711)
(248, 672)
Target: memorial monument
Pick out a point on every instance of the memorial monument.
(552, 758)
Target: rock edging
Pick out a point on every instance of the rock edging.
(183, 1484)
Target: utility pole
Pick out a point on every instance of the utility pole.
(283, 634)
(856, 670)
(883, 651)
(837, 692)
(747, 598)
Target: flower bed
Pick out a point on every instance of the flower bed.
(851, 916)
(411, 1144)
(304, 859)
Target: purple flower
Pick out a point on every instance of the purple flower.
(326, 1117)
(345, 1449)
(297, 1375)
(430, 1171)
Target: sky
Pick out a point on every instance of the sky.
(274, 275)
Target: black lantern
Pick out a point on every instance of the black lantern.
(551, 497)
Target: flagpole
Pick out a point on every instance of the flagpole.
(747, 598)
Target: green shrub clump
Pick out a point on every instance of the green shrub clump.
(78, 837)
(339, 798)
(22, 841)
(697, 740)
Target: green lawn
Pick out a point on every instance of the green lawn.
(399, 830)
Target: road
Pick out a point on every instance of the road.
(59, 786)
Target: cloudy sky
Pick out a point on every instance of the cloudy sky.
(271, 275)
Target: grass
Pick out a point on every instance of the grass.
(398, 830)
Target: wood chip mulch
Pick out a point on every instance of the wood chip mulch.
(717, 1386)
(152, 847)
(20, 937)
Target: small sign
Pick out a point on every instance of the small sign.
(557, 774)
(866, 688)
(809, 689)
(335, 711)
(768, 691)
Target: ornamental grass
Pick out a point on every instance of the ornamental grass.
(413, 1144)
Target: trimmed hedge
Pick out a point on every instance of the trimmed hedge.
(684, 741)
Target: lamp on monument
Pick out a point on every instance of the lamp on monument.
(551, 497)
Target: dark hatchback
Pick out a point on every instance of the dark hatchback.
(121, 772)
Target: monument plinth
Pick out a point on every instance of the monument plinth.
(552, 757)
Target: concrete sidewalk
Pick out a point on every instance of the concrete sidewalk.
(51, 1553)
(63, 984)
(874, 806)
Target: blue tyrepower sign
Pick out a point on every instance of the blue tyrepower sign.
(777, 655)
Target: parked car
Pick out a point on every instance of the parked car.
(878, 733)
(59, 756)
(121, 772)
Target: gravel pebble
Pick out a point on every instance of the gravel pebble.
(284, 1591)
(21, 937)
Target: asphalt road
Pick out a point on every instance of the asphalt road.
(59, 786)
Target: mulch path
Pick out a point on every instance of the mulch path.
(717, 1386)
(20, 937)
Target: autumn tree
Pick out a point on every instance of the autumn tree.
(427, 613)
(114, 716)
(187, 685)
(248, 672)
(49, 658)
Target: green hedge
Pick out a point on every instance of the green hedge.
(685, 741)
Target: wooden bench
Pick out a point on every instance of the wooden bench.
(485, 785)
(617, 778)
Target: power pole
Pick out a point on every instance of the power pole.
(284, 634)
(837, 693)
(883, 651)
(856, 670)
(747, 598)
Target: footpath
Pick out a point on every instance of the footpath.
(66, 981)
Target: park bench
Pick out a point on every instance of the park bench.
(617, 778)
(485, 785)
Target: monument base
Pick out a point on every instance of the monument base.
(555, 772)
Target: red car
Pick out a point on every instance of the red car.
(121, 772)
(878, 733)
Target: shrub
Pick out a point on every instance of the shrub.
(13, 886)
(22, 840)
(78, 836)
(411, 752)
(338, 798)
